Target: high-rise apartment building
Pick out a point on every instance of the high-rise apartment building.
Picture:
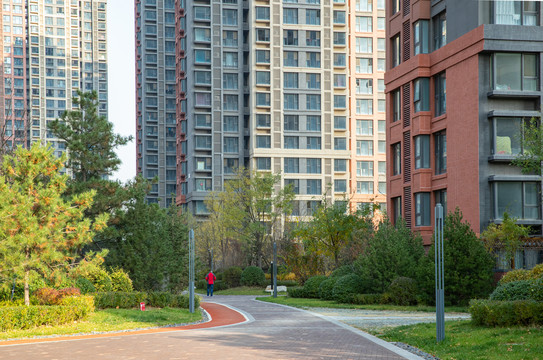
(462, 77)
(50, 49)
(290, 86)
(156, 96)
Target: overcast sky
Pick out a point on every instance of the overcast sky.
(120, 28)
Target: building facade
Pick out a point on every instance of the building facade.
(292, 87)
(51, 49)
(462, 77)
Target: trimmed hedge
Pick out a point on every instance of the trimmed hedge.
(312, 286)
(403, 291)
(253, 276)
(127, 300)
(519, 290)
(506, 313)
(346, 286)
(26, 317)
(367, 299)
(296, 292)
(326, 289)
(232, 276)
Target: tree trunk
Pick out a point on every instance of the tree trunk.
(27, 288)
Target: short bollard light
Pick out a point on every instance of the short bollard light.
(142, 306)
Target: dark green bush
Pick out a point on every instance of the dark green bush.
(342, 271)
(346, 286)
(288, 283)
(514, 275)
(253, 276)
(219, 285)
(519, 290)
(232, 276)
(403, 291)
(296, 292)
(85, 285)
(367, 299)
(118, 299)
(326, 289)
(312, 285)
(201, 284)
(506, 313)
(537, 290)
(120, 281)
(160, 299)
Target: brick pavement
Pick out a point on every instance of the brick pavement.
(270, 332)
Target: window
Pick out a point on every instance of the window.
(231, 123)
(422, 209)
(420, 37)
(313, 38)
(294, 184)
(312, 17)
(381, 146)
(340, 143)
(364, 45)
(440, 30)
(230, 102)
(290, 80)
(230, 165)
(421, 95)
(313, 166)
(364, 5)
(313, 81)
(339, 38)
(202, 142)
(340, 122)
(364, 168)
(312, 206)
(201, 34)
(396, 105)
(381, 64)
(364, 187)
(292, 142)
(364, 65)
(440, 143)
(291, 123)
(230, 38)
(202, 120)
(230, 17)
(263, 120)
(340, 186)
(230, 59)
(382, 168)
(231, 144)
(313, 187)
(340, 102)
(290, 37)
(340, 80)
(313, 142)
(202, 56)
(263, 141)
(290, 58)
(507, 134)
(202, 99)
(381, 23)
(422, 152)
(229, 81)
(200, 13)
(340, 165)
(440, 87)
(364, 147)
(441, 198)
(382, 187)
(262, 13)
(202, 184)
(381, 44)
(263, 163)
(519, 199)
(395, 46)
(395, 6)
(290, 16)
(381, 105)
(263, 35)
(396, 159)
(364, 127)
(515, 71)
(397, 209)
(313, 102)
(364, 106)
(203, 163)
(263, 56)
(313, 123)
(516, 12)
(339, 17)
(292, 165)
(291, 101)
(263, 99)
(364, 86)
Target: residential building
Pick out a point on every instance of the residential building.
(462, 77)
(51, 49)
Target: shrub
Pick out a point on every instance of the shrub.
(346, 286)
(288, 283)
(312, 285)
(326, 289)
(514, 275)
(537, 271)
(47, 296)
(296, 292)
(85, 285)
(537, 290)
(84, 305)
(506, 313)
(516, 290)
(342, 271)
(232, 276)
(120, 281)
(253, 276)
(219, 285)
(160, 299)
(367, 299)
(403, 291)
(123, 300)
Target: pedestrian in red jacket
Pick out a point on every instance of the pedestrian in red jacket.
(210, 281)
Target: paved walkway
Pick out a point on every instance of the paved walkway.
(268, 331)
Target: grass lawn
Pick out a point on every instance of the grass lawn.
(464, 341)
(111, 320)
(309, 303)
(242, 290)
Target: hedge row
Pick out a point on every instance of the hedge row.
(506, 313)
(127, 300)
(24, 317)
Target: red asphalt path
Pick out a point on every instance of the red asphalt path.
(220, 316)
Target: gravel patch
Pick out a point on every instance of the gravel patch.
(414, 350)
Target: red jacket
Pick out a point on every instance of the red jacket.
(211, 278)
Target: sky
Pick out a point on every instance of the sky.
(121, 81)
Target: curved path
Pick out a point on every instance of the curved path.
(240, 328)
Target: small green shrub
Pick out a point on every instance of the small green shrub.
(219, 285)
(253, 276)
(101, 280)
(287, 283)
(515, 275)
(84, 305)
(346, 286)
(342, 271)
(85, 285)
(232, 276)
(201, 284)
(312, 285)
(537, 271)
(326, 289)
(516, 290)
(506, 313)
(120, 281)
(123, 300)
(367, 299)
(403, 291)
(160, 299)
(296, 292)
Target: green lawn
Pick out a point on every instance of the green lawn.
(111, 320)
(309, 303)
(464, 341)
